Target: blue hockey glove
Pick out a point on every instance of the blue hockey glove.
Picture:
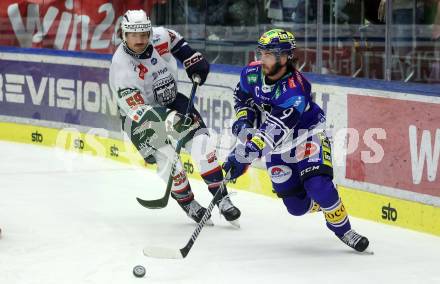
(197, 65)
(239, 129)
(233, 167)
(243, 155)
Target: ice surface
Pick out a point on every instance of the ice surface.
(70, 218)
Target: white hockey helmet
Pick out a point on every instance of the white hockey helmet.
(135, 21)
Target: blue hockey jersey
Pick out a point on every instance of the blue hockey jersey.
(280, 111)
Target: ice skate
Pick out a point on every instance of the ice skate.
(355, 241)
(195, 211)
(229, 211)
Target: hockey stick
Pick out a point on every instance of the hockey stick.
(163, 201)
(170, 253)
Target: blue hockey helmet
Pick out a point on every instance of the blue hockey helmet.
(277, 41)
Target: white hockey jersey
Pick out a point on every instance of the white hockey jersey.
(138, 82)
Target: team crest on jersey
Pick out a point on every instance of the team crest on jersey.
(142, 71)
(165, 90)
(153, 61)
(306, 149)
(280, 174)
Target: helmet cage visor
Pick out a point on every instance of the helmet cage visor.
(276, 51)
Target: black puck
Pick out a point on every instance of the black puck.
(139, 271)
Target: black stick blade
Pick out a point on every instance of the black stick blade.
(154, 204)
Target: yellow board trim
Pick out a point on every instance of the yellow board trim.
(411, 215)
(388, 210)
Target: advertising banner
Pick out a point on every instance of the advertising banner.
(65, 24)
(398, 143)
(66, 93)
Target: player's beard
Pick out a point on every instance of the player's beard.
(274, 70)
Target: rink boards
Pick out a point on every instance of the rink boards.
(386, 140)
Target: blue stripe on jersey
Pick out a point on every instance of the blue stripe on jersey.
(178, 45)
(297, 102)
(182, 51)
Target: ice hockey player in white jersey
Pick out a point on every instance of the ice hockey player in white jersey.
(143, 73)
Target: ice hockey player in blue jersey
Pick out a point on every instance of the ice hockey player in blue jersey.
(277, 119)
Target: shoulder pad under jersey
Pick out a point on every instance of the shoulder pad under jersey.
(159, 34)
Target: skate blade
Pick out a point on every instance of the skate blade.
(235, 223)
(367, 251)
(209, 223)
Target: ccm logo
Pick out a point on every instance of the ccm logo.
(309, 169)
(37, 137)
(192, 60)
(389, 213)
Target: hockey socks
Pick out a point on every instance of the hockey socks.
(314, 207)
(182, 193)
(337, 218)
(322, 190)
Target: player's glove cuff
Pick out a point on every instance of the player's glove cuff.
(255, 147)
(196, 64)
(243, 129)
